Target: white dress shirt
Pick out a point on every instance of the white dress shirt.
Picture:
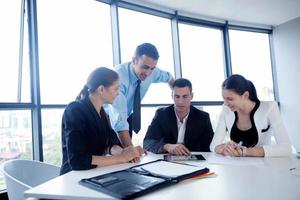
(181, 128)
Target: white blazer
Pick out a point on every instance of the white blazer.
(266, 115)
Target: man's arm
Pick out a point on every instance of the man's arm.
(118, 117)
(125, 138)
(171, 82)
(163, 76)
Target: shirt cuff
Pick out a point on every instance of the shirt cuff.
(121, 126)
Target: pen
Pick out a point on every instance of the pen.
(239, 145)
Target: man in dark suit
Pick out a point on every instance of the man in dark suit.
(179, 128)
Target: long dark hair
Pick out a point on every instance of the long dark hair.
(100, 76)
(239, 84)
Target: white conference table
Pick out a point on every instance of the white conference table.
(237, 179)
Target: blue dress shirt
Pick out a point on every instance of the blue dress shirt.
(123, 104)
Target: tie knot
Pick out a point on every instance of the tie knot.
(138, 81)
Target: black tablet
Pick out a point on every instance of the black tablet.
(183, 157)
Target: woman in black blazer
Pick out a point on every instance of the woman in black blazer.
(86, 132)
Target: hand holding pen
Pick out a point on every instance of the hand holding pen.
(233, 149)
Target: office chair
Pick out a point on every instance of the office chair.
(21, 175)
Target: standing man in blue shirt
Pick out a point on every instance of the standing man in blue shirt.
(139, 73)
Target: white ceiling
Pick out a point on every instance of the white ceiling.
(262, 12)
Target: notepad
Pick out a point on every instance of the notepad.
(168, 169)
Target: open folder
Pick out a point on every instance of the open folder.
(142, 179)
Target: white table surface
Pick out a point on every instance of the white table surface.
(237, 179)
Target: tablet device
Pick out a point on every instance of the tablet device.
(183, 157)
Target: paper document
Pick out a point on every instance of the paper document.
(227, 160)
(168, 169)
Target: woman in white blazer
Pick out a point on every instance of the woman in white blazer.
(250, 123)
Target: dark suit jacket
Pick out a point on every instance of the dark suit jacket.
(163, 129)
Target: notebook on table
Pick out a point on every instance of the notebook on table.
(142, 179)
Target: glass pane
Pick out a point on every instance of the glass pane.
(51, 123)
(2, 182)
(137, 28)
(25, 93)
(74, 39)
(202, 60)
(250, 56)
(214, 113)
(15, 136)
(10, 15)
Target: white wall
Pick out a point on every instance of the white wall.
(287, 59)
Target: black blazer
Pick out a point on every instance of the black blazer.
(84, 133)
(163, 129)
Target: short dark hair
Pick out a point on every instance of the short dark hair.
(182, 82)
(239, 84)
(146, 49)
(99, 76)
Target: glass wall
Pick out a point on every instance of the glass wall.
(71, 45)
(250, 56)
(14, 76)
(15, 136)
(202, 60)
(51, 123)
(15, 125)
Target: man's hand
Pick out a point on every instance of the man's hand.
(177, 149)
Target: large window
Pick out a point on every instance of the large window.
(202, 60)
(15, 136)
(15, 125)
(250, 55)
(52, 148)
(74, 39)
(137, 28)
(14, 74)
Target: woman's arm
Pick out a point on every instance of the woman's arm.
(254, 151)
(119, 155)
(233, 149)
(283, 144)
(219, 134)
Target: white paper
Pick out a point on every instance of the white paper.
(227, 160)
(168, 169)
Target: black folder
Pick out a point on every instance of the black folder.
(142, 179)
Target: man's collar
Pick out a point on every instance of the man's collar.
(185, 117)
(132, 73)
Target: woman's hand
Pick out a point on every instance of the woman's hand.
(132, 153)
(229, 149)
